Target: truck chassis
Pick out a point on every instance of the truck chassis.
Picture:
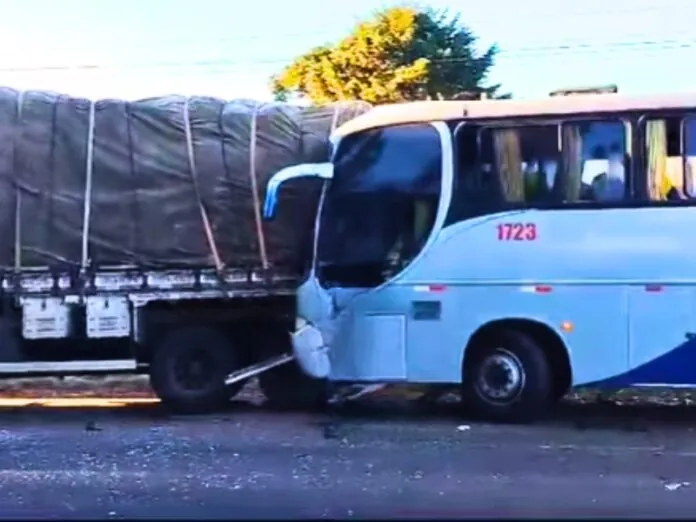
(199, 333)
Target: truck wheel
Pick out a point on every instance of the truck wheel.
(188, 370)
(286, 387)
(507, 378)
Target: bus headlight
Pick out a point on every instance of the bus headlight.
(310, 350)
(300, 323)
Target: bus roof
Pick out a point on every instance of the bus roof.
(428, 111)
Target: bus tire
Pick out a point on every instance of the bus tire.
(188, 369)
(507, 378)
(286, 387)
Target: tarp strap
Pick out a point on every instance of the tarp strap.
(194, 179)
(18, 192)
(89, 169)
(255, 191)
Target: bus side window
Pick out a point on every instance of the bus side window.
(523, 161)
(538, 164)
(595, 160)
(663, 159)
(502, 166)
(469, 180)
(570, 163)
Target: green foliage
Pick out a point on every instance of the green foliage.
(401, 54)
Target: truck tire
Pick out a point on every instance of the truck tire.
(286, 387)
(189, 367)
(507, 378)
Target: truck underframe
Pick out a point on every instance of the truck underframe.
(201, 334)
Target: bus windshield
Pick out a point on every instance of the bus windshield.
(380, 206)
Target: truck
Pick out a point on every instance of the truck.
(132, 240)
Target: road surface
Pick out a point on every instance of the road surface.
(140, 463)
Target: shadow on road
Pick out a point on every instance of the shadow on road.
(597, 414)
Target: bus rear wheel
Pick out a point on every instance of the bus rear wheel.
(507, 378)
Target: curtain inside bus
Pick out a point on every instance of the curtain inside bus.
(567, 184)
(508, 159)
(656, 137)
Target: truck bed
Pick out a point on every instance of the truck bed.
(166, 182)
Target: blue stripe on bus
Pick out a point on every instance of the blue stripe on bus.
(678, 366)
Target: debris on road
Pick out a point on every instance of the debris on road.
(673, 486)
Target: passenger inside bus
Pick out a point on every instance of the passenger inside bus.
(552, 174)
(580, 161)
(540, 164)
(607, 173)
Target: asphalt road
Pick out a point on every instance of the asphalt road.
(140, 463)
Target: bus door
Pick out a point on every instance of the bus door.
(380, 212)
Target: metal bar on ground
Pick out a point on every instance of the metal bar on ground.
(251, 371)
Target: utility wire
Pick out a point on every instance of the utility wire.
(528, 14)
(528, 52)
(525, 17)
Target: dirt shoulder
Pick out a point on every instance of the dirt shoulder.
(130, 386)
(137, 386)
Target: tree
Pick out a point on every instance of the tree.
(401, 54)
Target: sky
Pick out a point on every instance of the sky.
(140, 48)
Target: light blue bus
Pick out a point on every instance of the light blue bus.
(513, 248)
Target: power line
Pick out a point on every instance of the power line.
(526, 16)
(585, 48)
(564, 44)
(523, 52)
(582, 13)
(528, 9)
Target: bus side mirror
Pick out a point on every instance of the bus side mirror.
(306, 170)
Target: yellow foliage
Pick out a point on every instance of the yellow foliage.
(387, 59)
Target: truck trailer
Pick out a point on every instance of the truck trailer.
(132, 240)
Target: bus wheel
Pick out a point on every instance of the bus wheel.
(189, 367)
(507, 378)
(286, 387)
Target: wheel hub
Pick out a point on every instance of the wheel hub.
(194, 372)
(501, 377)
